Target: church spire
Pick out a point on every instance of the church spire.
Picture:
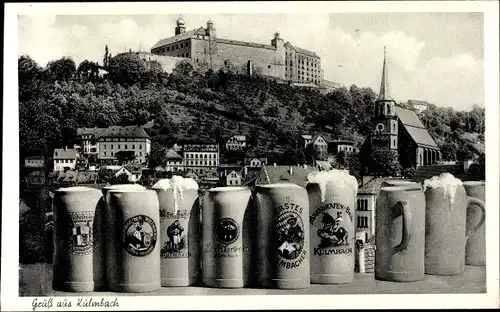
(384, 94)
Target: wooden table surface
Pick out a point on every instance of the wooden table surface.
(36, 280)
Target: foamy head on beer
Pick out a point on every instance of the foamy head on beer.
(75, 189)
(126, 187)
(339, 179)
(447, 182)
(178, 184)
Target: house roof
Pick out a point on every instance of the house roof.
(417, 102)
(331, 84)
(300, 50)
(281, 174)
(61, 153)
(35, 157)
(172, 154)
(180, 37)
(345, 142)
(316, 136)
(124, 132)
(384, 94)
(92, 131)
(415, 127)
(372, 187)
(240, 138)
(307, 136)
(133, 168)
(244, 43)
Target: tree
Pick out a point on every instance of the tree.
(29, 78)
(126, 69)
(105, 60)
(383, 162)
(122, 179)
(62, 69)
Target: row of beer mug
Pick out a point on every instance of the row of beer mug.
(130, 239)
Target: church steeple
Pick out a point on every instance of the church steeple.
(384, 106)
(384, 94)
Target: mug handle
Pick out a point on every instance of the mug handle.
(404, 206)
(475, 201)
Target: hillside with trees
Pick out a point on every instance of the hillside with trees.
(54, 101)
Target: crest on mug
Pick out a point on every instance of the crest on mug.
(139, 235)
(81, 232)
(290, 230)
(227, 231)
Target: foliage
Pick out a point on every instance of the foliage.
(383, 162)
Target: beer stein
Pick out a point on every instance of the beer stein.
(101, 257)
(74, 212)
(179, 231)
(399, 235)
(475, 248)
(133, 218)
(446, 233)
(282, 240)
(332, 204)
(227, 230)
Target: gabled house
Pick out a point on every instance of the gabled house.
(236, 142)
(173, 161)
(133, 171)
(255, 162)
(337, 146)
(234, 178)
(64, 158)
(417, 105)
(319, 142)
(87, 140)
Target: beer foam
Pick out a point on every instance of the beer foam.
(125, 187)
(75, 189)
(333, 178)
(179, 185)
(446, 181)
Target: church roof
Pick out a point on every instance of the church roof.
(183, 36)
(384, 94)
(415, 127)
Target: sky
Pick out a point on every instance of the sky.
(435, 57)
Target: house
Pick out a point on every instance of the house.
(64, 158)
(131, 139)
(366, 205)
(193, 175)
(307, 139)
(87, 140)
(133, 171)
(34, 162)
(236, 142)
(233, 178)
(319, 143)
(284, 174)
(173, 161)
(36, 178)
(255, 162)
(200, 156)
(337, 146)
(417, 105)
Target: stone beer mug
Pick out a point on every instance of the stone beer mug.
(103, 253)
(399, 235)
(475, 248)
(332, 204)
(134, 258)
(227, 225)
(73, 263)
(179, 231)
(446, 218)
(282, 240)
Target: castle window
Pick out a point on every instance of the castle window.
(268, 66)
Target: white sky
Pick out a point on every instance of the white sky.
(436, 57)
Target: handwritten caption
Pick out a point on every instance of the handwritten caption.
(49, 303)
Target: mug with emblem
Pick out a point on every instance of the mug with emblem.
(74, 212)
(332, 204)
(475, 248)
(134, 258)
(400, 233)
(103, 254)
(446, 228)
(227, 235)
(179, 231)
(282, 240)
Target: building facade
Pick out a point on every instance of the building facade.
(64, 158)
(233, 179)
(337, 146)
(34, 162)
(132, 139)
(278, 59)
(200, 157)
(236, 142)
(173, 161)
(86, 139)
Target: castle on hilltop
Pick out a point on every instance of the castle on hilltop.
(279, 59)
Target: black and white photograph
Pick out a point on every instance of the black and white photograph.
(163, 152)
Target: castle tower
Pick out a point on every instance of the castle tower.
(279, 62)
(180, 26)
(210, 29)
(385, 122)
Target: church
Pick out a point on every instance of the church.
(401, 130)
